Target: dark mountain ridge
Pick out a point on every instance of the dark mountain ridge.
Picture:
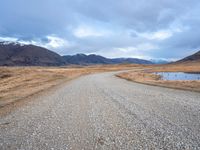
(192, 58)
(82, 59)
(17, 54)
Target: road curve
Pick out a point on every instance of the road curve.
(101, 111)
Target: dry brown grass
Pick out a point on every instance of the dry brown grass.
(183, 67)
(145, 76)
(17, 83)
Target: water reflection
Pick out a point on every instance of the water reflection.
(179, 76)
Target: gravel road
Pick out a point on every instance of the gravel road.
(101, 111)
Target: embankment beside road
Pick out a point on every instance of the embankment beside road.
(146, 76)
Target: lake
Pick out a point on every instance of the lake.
(178, 76)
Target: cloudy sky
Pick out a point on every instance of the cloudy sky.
(149, 29)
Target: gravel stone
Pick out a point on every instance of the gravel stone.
(101, 111)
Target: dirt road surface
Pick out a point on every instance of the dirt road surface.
(101, 111)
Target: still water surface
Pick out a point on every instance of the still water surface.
(179, 76)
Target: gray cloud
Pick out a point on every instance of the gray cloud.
(145, 28)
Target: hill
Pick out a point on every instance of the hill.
(192, 58)
(16, 54)
(130, 60)
(82, 59)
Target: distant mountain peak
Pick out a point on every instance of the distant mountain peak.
(81, 54)
(160, 61)
(11, 43)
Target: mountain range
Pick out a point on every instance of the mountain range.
(82, 59)
(17, 54)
